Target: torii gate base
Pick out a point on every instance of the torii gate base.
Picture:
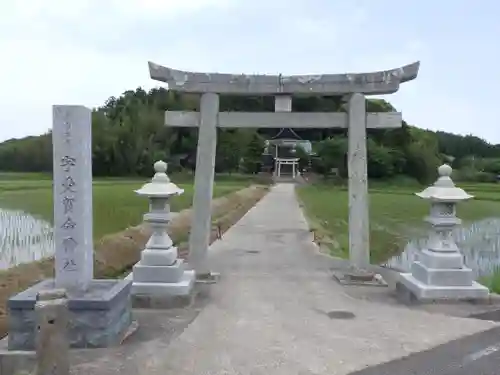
(351, 86)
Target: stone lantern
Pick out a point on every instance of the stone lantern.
(439, 272)
(159, 278)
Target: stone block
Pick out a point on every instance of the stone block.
(51, 341)
(423, 292)
(157, 217)
(16, 362)
(100, 317)
(158, 274)
(283, 103)
(431, 259)
(162, 257)
(442, 277)
(181, 288)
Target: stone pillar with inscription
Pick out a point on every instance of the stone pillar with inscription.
(100, 311)
(159, 278)
(72, 160)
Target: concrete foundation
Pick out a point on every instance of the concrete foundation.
(162, 286)
(424, 292)
(98, 318)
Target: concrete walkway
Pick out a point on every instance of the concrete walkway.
(272, 314)
(269, 314)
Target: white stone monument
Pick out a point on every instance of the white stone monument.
(160, 278)
(100, 310)
(440, 273)
(352, 86)
(72, 169)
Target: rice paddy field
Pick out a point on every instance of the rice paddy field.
(397, 229)
(26, 230)
(26, 210)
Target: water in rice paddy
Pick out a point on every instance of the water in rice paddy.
(23, 238)
(479, 242)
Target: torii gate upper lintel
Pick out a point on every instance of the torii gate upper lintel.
(353, 86)
(375, 83)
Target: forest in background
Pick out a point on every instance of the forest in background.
(128, 135)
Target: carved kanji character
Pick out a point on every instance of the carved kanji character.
(67, 162)
(68, 224)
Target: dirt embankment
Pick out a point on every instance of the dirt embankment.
(116, 253)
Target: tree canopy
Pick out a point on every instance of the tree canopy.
(128, 135)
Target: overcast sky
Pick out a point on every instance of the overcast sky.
(84, 51)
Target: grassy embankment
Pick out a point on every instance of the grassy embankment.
(117, 212)
(396, 215)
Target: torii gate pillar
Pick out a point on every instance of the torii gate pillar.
(359, 222)
(201, 219)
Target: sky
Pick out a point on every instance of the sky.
(84, 51)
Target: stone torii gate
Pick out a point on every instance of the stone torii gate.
(353, 87)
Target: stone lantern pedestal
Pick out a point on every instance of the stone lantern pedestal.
(159, 279)
(439, 272)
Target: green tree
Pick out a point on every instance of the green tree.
(229, 151)
(128, 135)
(332, 154)
(304, 158)
(381, 160)
(253, 154)
(422, 157)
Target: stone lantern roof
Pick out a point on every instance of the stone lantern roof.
(444, 189)
(160, 185)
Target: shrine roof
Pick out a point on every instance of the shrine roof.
(286, 133)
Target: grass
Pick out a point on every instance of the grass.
(115, 205)
(395, 215)
(23, 176)
(492, 281)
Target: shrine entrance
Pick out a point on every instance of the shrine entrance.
(282, 148)
(351, 86)
(287, 166)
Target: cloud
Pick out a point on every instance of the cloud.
(66, 52)
(83, 51)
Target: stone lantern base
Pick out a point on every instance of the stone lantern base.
(441, 276)
(161, 286)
